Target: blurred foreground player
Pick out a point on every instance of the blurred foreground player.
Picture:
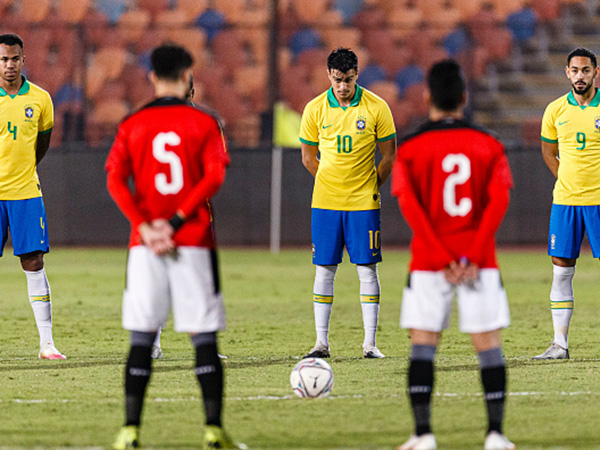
(452, 181)
(176, 156)
(27, 118)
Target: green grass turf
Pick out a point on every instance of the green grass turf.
(78, 402)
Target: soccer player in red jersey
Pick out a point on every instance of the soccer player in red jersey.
(176, 156)
(452, 181)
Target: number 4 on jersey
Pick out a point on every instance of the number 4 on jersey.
(449, 164)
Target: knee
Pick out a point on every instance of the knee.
(32, 262)
(367, 273)
(325, 274)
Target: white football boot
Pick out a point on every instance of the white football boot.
(48, 351)
(555, 351)
(497, 441)
(423, 442)
(370, 351)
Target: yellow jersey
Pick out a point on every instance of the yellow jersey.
(576, 129)
(22, 117)
(346, 136)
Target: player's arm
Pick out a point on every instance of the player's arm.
(388, 153)
(550, 155)
(416, 216)
(498, 199)
(309, 158)
(42, 145)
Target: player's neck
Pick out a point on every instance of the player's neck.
(12, 87)
(437, 114)
(168, 89)
(585, 99)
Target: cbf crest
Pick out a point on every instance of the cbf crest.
(597, 123)
(28, 113)
(361, 124)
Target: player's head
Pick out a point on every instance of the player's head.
(581, 70)
(11, 57)
(342, 70)
(170, 62)
(447, 85)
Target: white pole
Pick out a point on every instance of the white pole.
(276, 178)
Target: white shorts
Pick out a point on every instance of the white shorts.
(427, 303)
(186, 283)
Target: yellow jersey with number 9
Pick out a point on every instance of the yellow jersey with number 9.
(346, 137)
(576, 129)
(22, 117)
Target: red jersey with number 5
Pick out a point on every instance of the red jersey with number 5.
(445, 176)
(171, 151)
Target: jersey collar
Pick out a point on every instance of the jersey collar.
(333, 102)
(24, 89)
(595, 101)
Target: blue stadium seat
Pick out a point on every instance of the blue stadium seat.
(68, 93)
(212, 22)
(456, 42)
(111, 9)
(408, 76)
(348, 8)
(371, 74)
(522, 24)
(304, 40)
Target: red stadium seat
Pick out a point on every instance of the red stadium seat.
(310, 12)
(547, 10)
(132, 24)
(387, 90)
(72, 12)
(194, 8)
(172, 19)
(341, 37)
(404, 20)
(468, 8)
(154, 7)
(34, 11)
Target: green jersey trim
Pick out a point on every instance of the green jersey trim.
(24, 89)
(333, 102)
(304, 141)
(595, 101)
(387, 138)
(46, 131)
(549, 141)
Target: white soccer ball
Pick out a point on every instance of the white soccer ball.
(312, 377)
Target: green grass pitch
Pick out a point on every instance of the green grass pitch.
(78, 403)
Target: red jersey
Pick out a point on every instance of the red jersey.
(176, 156)
(452, 181)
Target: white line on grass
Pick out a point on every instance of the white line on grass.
(331, 397)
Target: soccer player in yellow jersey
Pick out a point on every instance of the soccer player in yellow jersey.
(345, 124)
(26, 120)
(571, 150)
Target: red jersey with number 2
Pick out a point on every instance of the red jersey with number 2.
(166, 148)
(451, 169)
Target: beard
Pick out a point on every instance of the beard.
(581, 90)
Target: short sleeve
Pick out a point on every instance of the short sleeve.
(46, 121)
(548, 126)
(386, 129)
(309, 130)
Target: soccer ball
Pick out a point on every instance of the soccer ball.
(312, 377)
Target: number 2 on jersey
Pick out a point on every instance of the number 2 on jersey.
(449, 163)
(160, 152)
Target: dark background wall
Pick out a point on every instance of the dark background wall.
(80, 211)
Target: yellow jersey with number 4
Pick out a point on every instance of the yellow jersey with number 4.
(346, 138)
(576, 129)
(22, 117)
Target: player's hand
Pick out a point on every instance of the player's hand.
(156, 239)
(469, 272)
(452, 273)
(163, 226)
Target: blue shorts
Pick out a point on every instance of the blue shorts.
(359, 231)
(567, 225)
(26, 220)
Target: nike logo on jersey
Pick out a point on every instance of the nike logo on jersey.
(327, 126)
(562, 123)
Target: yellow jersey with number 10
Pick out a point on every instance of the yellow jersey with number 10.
(22, 118)
(576, 129)
(346, 137)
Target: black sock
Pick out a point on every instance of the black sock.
(494, 387)
(210, 376)
(137, 375)
(420, 385)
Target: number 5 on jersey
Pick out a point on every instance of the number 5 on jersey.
(461, 176)
(161, 154)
